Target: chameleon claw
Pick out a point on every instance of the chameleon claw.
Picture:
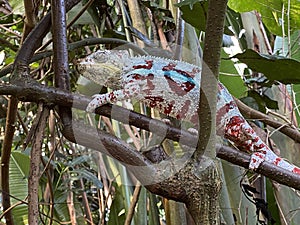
(256, 159)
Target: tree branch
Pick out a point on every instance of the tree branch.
(29, 46)
(5, 156)
(267, 169)
(209, 77)
(35, 161)
(34, 92)
(207, 210)
(254, 114)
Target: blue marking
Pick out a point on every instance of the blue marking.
(176, 75)
(172, 74)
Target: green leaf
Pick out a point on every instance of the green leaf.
(17, 6)
(85, 18)
(271, 13)
(251, 102)
(61, 209)
(88, 176)
(18, 173)
(263, 100)
(117, 213)
(22, 162)
(153, 6)
(230, 77)
(79, 160)
(273, 67)
(6, 19)
(194, 12)
(283, 44)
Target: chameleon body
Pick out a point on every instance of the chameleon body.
(172, 87)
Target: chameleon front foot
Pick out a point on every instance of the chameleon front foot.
(256, 159)
(97, 101)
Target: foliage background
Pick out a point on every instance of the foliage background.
(78, 185)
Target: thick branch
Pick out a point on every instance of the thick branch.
(60, 56)
(30, 7)
(60, 59)
(207, 211)
(209, 77)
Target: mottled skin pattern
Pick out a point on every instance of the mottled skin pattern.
(172, 87)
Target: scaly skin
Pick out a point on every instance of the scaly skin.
(172, 87)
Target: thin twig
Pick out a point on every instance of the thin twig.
(135, 198)
(5, 156)
(70, 24)
(254, 114)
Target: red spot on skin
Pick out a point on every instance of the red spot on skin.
(149, 64)
(259, 155)
(236, 120)
(296, 170)
(194, 71)
(232, 129)
(168, 108)
(149, 79)
(225, 109)
(170, 66)
(154, 100)
(112, 96)
(220, 87)
(179, 88)
(127, 93)
(234, 133)
(277, 160)
(187, 86)
(150, 84)
(137, 76)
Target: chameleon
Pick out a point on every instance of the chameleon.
(172, 87)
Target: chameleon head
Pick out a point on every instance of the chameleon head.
(103, 66)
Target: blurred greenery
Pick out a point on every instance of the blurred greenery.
(90, 183)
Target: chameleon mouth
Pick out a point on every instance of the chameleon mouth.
(112, 68)
(100, 69)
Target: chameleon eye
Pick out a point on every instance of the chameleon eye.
(81, 68)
